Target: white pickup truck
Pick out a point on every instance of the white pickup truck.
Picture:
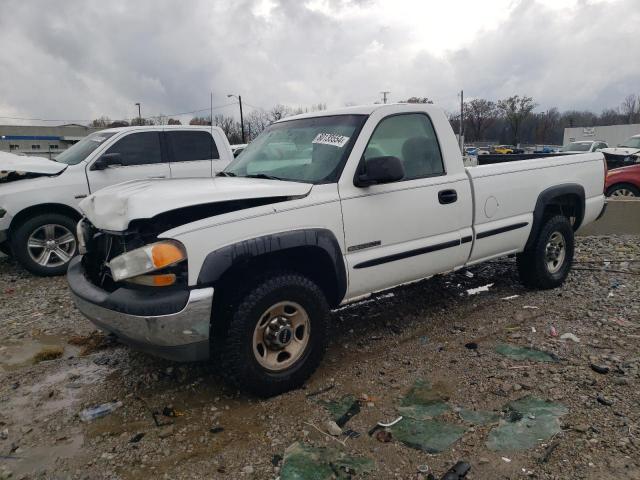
(319, 210)
(39, 198)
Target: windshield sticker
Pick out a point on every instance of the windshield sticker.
(331, 139)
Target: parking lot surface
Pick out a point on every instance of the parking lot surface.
(475, 341)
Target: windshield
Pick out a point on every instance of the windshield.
(576, 147)
(81, 150)
(311, 150)
(633, 142)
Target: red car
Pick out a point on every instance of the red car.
(623, 182)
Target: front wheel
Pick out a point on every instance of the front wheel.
(547, 263)
(45, 244)
(276, 335)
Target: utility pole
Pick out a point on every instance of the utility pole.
(461, 120)
(139, 114)
(384, 96)
(239, 97)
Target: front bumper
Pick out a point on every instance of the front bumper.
(174, 326)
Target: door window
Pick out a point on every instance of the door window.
(412, 139)
(138, 148)
(188, 146)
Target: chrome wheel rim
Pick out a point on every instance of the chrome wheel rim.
(622, 192)
(555, 252)
(51, 245)
(281, 336)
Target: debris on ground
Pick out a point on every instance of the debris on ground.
(48, 353)
(478, 417)
(332, 428)
(528, 422)
(431, 436)
(523, 353)
(302, 462)
(457, 472)
(477, 290)
(93, 413)
(342, 410)
(601, 369)
(91, 343)
(423, 401)
(569, 336)
(384, 436)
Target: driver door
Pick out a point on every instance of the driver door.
(141, 156)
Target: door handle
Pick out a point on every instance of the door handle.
(447, 196)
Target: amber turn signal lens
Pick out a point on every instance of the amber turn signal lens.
(165, 254)
(161, 280)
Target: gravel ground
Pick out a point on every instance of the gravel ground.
(380, 347)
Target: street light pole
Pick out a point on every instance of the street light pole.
(239, 97)
(139, 114)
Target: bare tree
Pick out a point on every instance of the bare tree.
(200, 121)
(101, 122)
(417, 100)
(279, 112)
(516, 110)
(174, 121)
(546, 123)
(480, 114)
(631, 107)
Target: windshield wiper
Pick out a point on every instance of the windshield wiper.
(225, 174)
(263, 175)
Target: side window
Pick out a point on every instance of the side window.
(412, 139)
(190, 145)
(138, 148)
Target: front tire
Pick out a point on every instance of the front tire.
(547, 263)
(276, 335)
(45, 244)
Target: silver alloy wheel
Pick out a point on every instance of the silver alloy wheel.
(622, 192)
(51, 245)
(555, 252)
(281, 336)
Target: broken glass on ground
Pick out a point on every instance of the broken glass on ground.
(423, 402)
(342, 410)
(418, 429)
(528, 422)
(304, 462)
(478, 417)
(523, 353)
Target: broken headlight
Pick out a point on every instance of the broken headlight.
(149, 258)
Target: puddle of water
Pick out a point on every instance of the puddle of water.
(17, 353)
(529, 422)
(424, 401)
(303, 462)
(523, 353)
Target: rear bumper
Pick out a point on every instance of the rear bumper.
(166, 326)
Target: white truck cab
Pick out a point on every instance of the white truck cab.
(39, 197)
(319, 210)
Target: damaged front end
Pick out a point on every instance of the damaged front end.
(621, 160)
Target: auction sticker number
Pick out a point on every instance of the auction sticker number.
(331, 139)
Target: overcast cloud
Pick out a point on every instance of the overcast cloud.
(78, 60)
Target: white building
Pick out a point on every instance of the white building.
(612, 134)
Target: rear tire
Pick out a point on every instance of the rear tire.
(275, 335)
(547, 263)
(623, 190)
(45, 244)
(5, 247)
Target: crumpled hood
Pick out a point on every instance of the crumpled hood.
(10, 162)
(113, 208)
(621, 151)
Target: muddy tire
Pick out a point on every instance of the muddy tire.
(275, 335)
(45, 244)
(547, 263)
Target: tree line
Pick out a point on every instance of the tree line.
(510, 120)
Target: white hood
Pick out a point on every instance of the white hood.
(10, 162)
(112, 208)
(621, 151)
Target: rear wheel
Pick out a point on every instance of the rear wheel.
(623, 190)
(45, 244)
(275, 335)
(547, 263)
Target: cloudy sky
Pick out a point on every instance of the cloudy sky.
(77, 60)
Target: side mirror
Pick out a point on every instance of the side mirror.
(107, 159)
(378, 170)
